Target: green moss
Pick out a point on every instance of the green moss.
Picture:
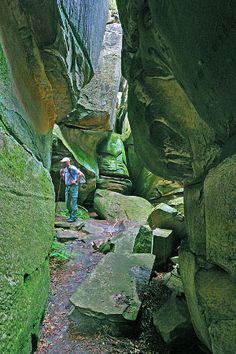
(4, 71)
(22, 319)
(143, 240)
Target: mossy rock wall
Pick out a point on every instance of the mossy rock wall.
(26, 221)
(47, 54)
(26, 228)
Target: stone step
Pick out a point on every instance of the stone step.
(109, 299)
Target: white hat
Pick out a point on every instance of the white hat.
(65, 159)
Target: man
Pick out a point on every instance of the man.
(71, 176)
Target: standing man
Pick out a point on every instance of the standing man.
(71, 176)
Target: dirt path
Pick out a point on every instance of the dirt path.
(59, 335)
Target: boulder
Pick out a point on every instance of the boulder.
(113, 303)
(125, 241)
(163, 244)
(173, 321)
(174, 282)
(216, 300)
(115, 206)
(165, 217)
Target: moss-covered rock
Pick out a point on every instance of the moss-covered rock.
(188, 271)
(115, 206)
(143, 241)
(178, 59)
(27, 219)
(220, 194)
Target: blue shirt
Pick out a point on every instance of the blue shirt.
(71, 174)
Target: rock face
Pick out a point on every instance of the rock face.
(100, 95)
(27, 217)
(113, 172)
(178, 60)
(56, 52)
(146, 184)
(86, 132)
(111, 205)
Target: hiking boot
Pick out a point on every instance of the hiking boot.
(71, 220)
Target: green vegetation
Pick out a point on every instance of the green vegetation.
(59, 251)
(82, 213)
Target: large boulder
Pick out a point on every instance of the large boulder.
(115, 206)
(113, 303)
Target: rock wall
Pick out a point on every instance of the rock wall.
(44, 61)
(178, 58)
(94, 118)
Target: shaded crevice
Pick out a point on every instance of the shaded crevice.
(34, 343)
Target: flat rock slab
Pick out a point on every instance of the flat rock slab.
(66, 235)
(93, 228)
(124, 242)
(62, 224)
(108, 299)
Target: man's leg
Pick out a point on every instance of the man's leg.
(68, 199)
(74, 202)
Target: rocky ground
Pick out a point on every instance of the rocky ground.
(60, 335)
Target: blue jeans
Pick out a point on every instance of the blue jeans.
(71, 197)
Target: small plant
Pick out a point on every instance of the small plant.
(59, 251)
(82, 213)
